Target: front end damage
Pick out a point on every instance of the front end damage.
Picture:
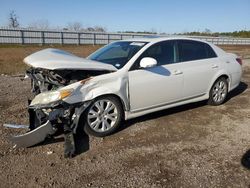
(47, 121)
(49, 113)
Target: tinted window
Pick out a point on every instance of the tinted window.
(163, 52)
(210, 52)
(194, 50)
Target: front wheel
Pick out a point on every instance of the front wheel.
(103, 116)
(218, 92)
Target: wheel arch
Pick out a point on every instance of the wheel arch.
(123, 105)
(80, 121)
(218, 76)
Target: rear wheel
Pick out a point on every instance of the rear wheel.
(103, 116)
(218, 92)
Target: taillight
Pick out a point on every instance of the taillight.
(239, 60)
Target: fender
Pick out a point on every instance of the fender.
(112, 86)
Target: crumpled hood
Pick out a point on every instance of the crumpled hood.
(55, 59)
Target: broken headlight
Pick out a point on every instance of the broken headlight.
(50, 97)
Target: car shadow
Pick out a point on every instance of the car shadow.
(48, 141)
(159, 70)
(81, 143)
(81, 140)
(245, 160)
(237, 91)
(162, 113)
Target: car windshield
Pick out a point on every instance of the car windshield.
(117, 53)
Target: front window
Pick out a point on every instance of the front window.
(118, 53)
(163, 52)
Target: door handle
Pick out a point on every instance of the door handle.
(177, 72)
(215, 66)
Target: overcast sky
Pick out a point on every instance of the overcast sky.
(134, 15)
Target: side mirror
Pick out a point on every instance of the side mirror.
(148, 62)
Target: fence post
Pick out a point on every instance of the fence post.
(108, 38)
(22, 37)
(79, 38)
(62, 38)
(42, 38)
(94, 38)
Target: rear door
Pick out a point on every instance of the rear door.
(199, 64)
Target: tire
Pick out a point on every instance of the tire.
(218, 92)
(103, 117)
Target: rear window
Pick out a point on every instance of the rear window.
(194, 50)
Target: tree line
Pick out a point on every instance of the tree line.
(240, 34)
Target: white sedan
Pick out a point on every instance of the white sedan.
(127, 79)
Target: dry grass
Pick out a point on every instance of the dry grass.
(11, 56)
(243, 51)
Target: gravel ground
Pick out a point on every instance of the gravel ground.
(195, 145)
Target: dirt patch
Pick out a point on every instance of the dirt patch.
(195, 145)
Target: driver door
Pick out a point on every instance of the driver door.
(159, 85)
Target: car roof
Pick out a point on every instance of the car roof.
(159, 39)
(153, 40)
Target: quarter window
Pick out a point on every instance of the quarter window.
(210, 52)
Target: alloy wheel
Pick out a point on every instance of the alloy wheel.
(219, 91)
(102, 115)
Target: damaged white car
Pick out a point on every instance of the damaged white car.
(123, 80)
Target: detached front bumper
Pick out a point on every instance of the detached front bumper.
(45, 121)
(34, 136)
